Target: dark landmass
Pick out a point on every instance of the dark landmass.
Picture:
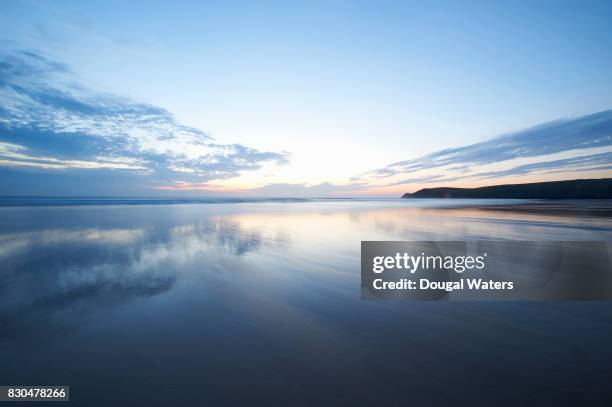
(574, 189)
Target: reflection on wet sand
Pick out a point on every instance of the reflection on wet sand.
(51, 270)
(47, 270)
(586, 208)
(198, 300)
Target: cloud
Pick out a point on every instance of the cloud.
(562, 146)
(589, 162)
(590, 131)
(50, 121)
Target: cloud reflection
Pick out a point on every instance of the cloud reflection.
(52, 277)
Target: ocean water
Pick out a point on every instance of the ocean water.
(243, 302)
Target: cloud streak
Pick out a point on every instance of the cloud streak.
(567, 146)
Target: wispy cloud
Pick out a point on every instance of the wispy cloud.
(50, 121)
(562, 146)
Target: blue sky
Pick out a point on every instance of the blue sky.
(310, 98)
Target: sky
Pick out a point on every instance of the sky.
(353, 98)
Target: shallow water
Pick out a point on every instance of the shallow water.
(246, 302)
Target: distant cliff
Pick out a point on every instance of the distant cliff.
(574, 189)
